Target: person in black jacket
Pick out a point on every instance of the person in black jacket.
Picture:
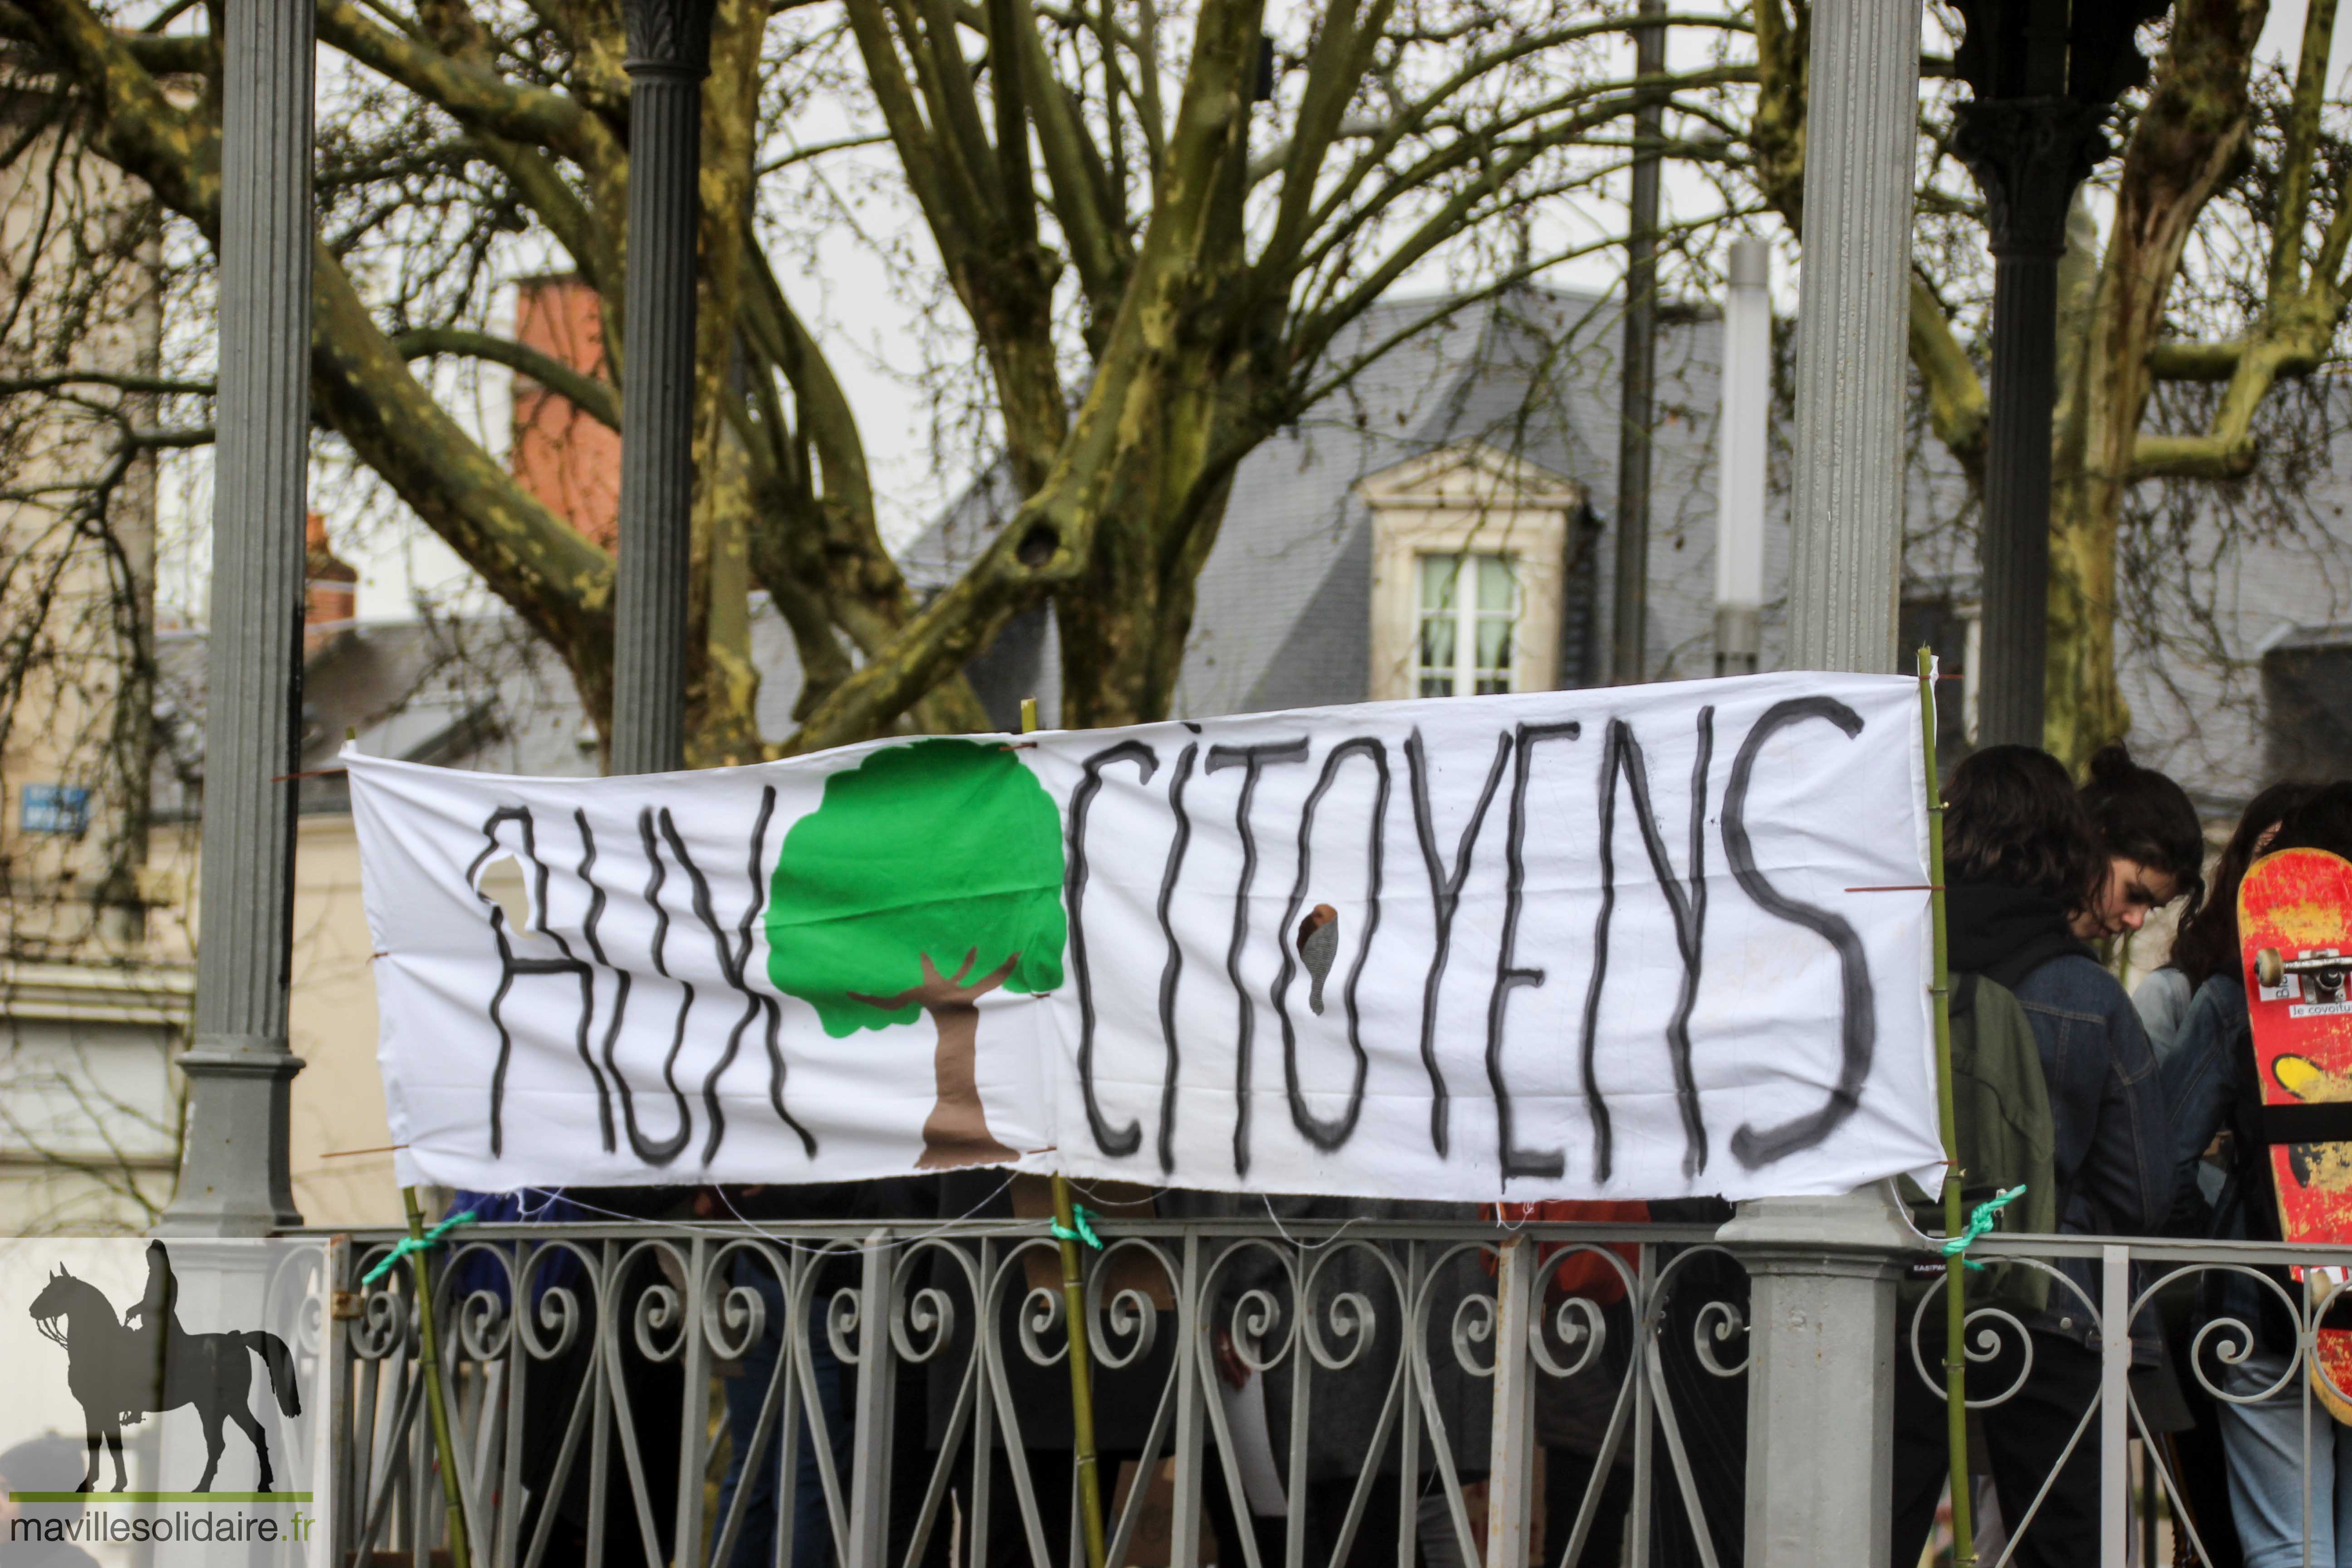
(2021, 862)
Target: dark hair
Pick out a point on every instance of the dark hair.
(2207, 942)
(2141, 815)
(2012, 817)
(2324, 821)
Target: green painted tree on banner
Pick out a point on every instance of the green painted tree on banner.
(929, 875)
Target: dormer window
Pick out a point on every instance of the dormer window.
(1469, 547)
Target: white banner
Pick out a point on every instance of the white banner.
(1628, 942)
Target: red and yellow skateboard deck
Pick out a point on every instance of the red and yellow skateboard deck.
(2294, 935)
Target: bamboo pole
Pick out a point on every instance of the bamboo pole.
(1074, 1313)
(459, 1557)
(1956, 1272)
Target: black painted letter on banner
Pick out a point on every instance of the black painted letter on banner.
(1517, 1162)
(1329, 1135)
(1622, 756)
(733, 957)
(655, 1152)
(1858, 1032)
(1445, 897)
(1116, 1142)
(1252, 760)
(1172, 969)
(511, 968)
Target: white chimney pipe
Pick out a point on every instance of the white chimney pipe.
(1739, 451)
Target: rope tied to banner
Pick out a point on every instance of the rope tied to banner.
(1081, 1228)
(1980, 1220)
(409, 1244)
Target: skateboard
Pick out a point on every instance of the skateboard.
(2294, 936)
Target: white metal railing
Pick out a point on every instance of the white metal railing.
(595, 1424)
(836, 1372)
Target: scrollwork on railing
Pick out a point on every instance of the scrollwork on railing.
(735, 1316)
(483, 1322)
(1123, 1330)
(1349, 1316)
(1986, 1332)
(1581, 1329)
(381, 1323)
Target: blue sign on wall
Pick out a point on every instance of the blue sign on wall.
(56, 808)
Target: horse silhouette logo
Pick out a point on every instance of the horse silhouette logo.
(119, 1368)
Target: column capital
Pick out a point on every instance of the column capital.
(1861, 1224)
(668, 38)
(2027, 156)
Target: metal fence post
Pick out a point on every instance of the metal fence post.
(694, 1428)
(1511, 1450)
(1192, 1442)
(2114, 1404)
(869, 1471)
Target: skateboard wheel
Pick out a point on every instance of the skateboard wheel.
(2268, 969)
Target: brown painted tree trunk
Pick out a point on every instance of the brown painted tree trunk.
(956, 1132)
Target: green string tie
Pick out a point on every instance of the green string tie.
(1981, 1221)
(1085, 1231)
(409, 1244)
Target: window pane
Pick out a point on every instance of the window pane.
(1437, 643)
(1493, 642)
(1498, 589)
(1436, 685)
(1438, 574)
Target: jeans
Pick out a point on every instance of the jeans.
(755, 1538)
(2263, 1445)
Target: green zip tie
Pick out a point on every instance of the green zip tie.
(409, 1244)
(1981, 1221)
(1085, 1231)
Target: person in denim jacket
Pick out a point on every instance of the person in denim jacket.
(2022, 863)
(2210, 1085)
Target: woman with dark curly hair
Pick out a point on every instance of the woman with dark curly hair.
(2022, 865)
(2154, 840)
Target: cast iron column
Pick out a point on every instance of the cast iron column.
(2043, 73)
(669, 54)
(232, 1172)
(1821, 1270)
(2028, 155)
(1630, 617)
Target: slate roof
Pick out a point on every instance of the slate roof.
(1283, 618)
(480, 693)
(1283, 611)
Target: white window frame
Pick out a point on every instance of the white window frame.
(1469, 499)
